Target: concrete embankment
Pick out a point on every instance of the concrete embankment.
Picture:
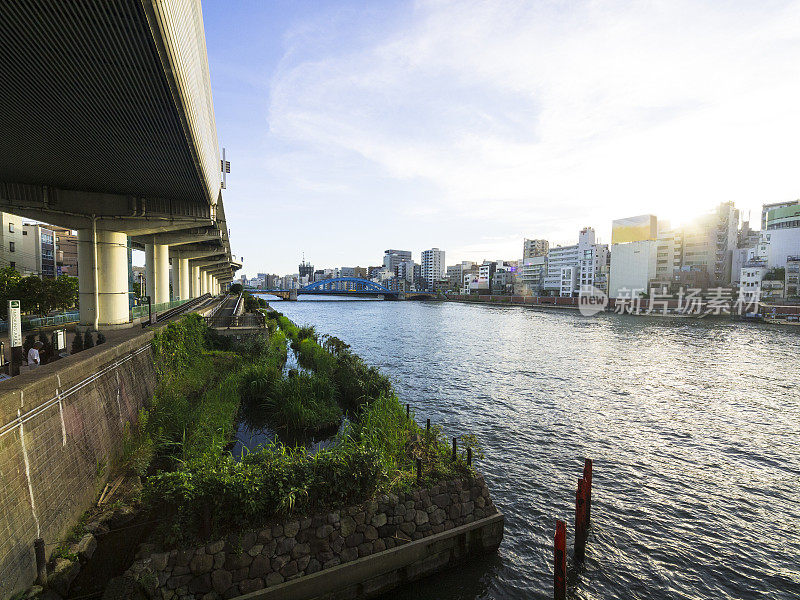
(60, 427)
(355, 552)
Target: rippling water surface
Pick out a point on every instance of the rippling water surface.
(694, 428)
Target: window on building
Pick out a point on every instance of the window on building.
(12, 264)
(11, 246)
(10, 228)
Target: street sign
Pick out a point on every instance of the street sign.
(14, 324)
(61, 339)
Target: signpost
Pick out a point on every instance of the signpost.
(15, 335)
(59, 343)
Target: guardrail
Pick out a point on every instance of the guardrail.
(142, 310)
(36, 322)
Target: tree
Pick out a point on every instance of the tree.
(236, 288)
(31, 294)
(64, 292)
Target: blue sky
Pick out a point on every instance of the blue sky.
(353, 127)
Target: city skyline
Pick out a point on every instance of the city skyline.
(436, 124)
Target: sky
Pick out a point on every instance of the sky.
(353, 127)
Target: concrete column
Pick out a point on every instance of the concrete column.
(111, 277)
(180, 278)
(203, 282)
(156, 269)
(194, 287)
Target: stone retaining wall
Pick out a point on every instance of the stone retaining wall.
(254, 560)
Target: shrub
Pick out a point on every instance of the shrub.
(77, 343)
(88, 342)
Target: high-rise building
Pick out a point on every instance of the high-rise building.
(306, 270)
(392, 258)
(634, 256)
(709, 242)
(533, 248)
(433, 267)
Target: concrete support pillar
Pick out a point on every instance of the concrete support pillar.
(156, 268)
(109, 306)
(194, 287)
(203, 282)
(180, 278)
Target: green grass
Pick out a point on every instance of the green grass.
(191, 418)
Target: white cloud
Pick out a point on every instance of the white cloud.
(540, 118)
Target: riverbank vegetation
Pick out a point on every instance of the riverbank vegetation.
(181, 444)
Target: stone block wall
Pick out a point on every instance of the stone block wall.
(283, 551)
(60, 426)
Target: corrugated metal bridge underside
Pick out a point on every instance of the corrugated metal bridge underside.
(87, 104)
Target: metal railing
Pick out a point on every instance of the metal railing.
(36, 322)
(143, 310)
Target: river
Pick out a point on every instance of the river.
(693, 426)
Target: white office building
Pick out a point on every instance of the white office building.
(633, 265)
(571, 267)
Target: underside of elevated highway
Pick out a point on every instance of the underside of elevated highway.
(108, 126)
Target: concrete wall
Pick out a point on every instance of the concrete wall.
(60, 426)
(358, 537)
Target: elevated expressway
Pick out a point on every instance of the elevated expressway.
(108, 127)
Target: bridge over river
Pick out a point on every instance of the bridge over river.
(347, 286)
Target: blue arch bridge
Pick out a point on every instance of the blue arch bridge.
(347, 286)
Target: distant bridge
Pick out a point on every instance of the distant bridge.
(346, 286)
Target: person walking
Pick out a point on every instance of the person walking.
(34, 360)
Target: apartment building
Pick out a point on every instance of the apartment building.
(455, 273)
(534, 248)
(532, 274)
(433, 267)
(571, 267)
(709, 242)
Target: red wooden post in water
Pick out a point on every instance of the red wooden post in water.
(560, 562)
(587, 476)
(580, 520)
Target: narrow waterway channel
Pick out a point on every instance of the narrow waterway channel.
(694, 428)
